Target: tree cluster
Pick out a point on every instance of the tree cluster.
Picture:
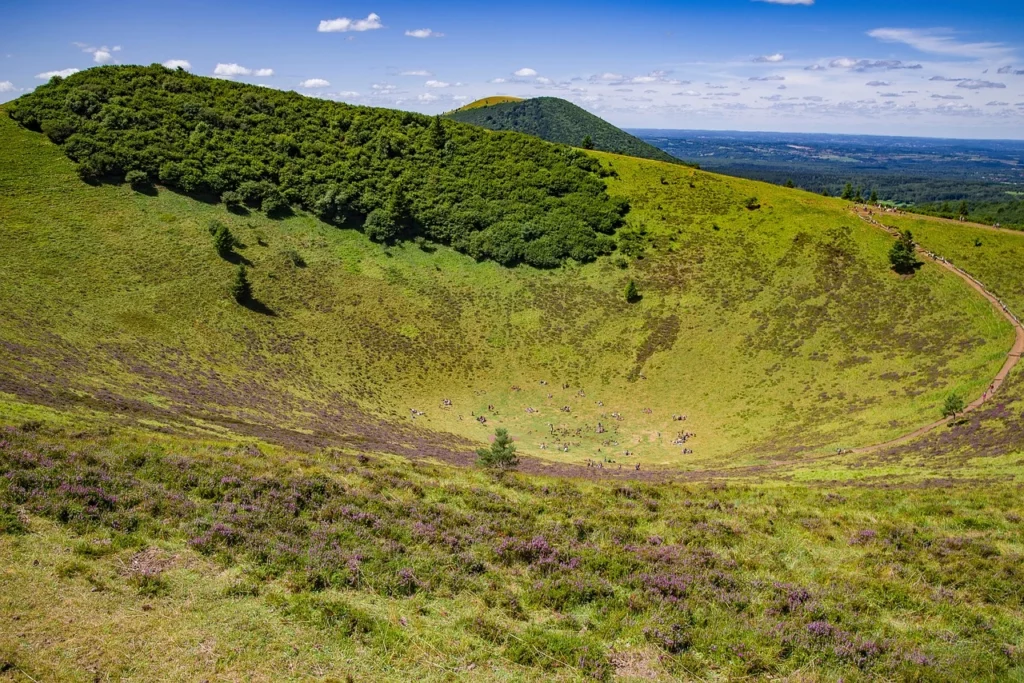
(507, 197)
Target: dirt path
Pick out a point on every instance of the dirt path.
(1011, 359)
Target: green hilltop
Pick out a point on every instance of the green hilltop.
(557, 120)
(193, 486)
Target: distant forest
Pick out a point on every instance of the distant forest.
(921, 174)
(503, 196)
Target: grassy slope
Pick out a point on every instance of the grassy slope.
(490, 102)
(557, 120)
(910, 584)
(774, 336)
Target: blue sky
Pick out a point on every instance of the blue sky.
(929, 67)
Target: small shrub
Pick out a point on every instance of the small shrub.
(139, 180)
(632, 295)
(502, 453)
(241, 288)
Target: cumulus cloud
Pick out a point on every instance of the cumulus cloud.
(772, 59)
(231, 70)
(767, 78)
(423, 33)
(868, 64)
(315, 83)
(417, 72)
(1008, 69)
(6, 86)
(525, 72)
(428, 97)
(100, 55)
(343, 24)
(63, 73)
(979, 85)
(814, 67)
(178, 64)
(938, 41)
(498, 80)
(889, 94)
(383, 87)
(437, 84)
(814, 98)
(608, 76)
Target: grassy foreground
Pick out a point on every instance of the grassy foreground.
(778, 331)
(133, 556)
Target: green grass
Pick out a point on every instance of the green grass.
(778, 332)
(192, 489)
(110, 569)
(489, 102)
(995, 261)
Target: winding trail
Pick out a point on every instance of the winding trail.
(1012, 358)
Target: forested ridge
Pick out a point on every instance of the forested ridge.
(557, 120)
(508, 197)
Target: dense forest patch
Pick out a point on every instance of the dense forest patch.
(394, 174)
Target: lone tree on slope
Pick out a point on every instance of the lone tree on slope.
(953, 406)
(223, 240)
(631, 292)
(241, 288)
(903, 256)
(848, 192)
(502, 453)
(588, 142)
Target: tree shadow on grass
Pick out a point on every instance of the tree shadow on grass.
(257, 306)
(237, 259)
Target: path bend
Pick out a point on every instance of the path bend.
(1012, 358)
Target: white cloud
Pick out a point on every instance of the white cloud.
(767, 78)
(525, 72)
(611, 77)
(428, 97)
(687, 93)
(343, 24)
(979, 85)
(232, 70)
(100, 55)
(815, 67)
(418, 72)
(178, 64)
(423, 33)
(787, 2)
(998, 104)
(437, 84)
(383, 87)
(6, 86)
(938, 41)
(63, 73)
(771, 59)
(315, 83)
(544, 81)
(878, 84)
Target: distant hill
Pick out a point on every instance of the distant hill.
(490, 102)
(557, 120)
